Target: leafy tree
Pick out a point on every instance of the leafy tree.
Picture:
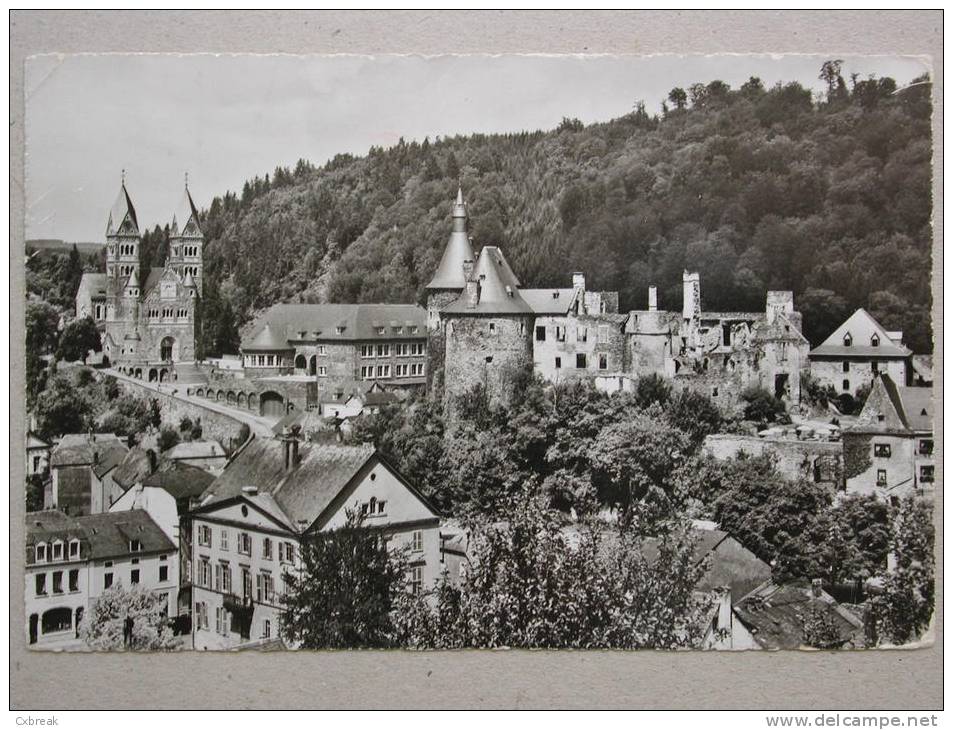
(343, 595)
(762, 407)
(653, 389)
(678, 97)
(62, 408)
(128, 415)
(168, 437)
(79, 337)
(103, 626)
(42, 320)
(695, 415)
(34, 491)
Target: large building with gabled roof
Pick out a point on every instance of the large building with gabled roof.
(148, 319)
(857, 352)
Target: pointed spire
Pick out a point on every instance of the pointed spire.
(449, 274)
(121, 212)
(185, 212)
(460, 207)
(133, 280)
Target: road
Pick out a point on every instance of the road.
(260, 425)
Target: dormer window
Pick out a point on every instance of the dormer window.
(41, 552)
(848, 340)
(135, 546)
(73, 549)
(57, 550)
(339, 330)
(380, 330)
(874, 341)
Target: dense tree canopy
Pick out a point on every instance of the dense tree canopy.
(758, 188)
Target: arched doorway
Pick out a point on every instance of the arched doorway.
(313, 365)
(253, 401)
(220, 396)
(272, 404)
(242, 400)
(163, 375)
(301, 362)
(168, 349)
(230, 398)
(153, 375)
(200, 393)
(139, 373)
(57, 619)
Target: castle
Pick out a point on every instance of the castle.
(485, 328)
(148, 320)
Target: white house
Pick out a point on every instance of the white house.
(247, 534)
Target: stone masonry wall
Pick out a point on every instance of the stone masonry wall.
(794, 459)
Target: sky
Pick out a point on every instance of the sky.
(225, 118)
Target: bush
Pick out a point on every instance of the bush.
(168, 437)
(762, 407)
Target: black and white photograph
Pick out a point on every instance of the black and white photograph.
(419, 353)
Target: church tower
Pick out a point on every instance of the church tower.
(122, 256)
(186, 242)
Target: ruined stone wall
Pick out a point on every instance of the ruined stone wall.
(817, 461)
(591, 336)
(470, 340)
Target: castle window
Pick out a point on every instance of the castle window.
(492, 327)
(581, 360)
(322, 350)
(881, 477)
(560, 333)
(846, 385)
(848, 340)
(882, 450)
(874, 340)
(540, 333)
(846, 366)
(322, 371)
(559, 363)
(603, 361)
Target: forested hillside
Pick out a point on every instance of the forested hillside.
(756, 188)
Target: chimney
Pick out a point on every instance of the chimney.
(294, 452)
(653, 299)
(472, 293)
(467, 269)
(249, 491)
(691, 295)
(579, 280)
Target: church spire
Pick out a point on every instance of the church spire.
(122, 216)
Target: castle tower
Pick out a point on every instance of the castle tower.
(122, 255)
(186, 241)
(487, 330)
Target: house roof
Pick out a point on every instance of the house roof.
(110, 533)
(152, 280)
(133, 466)
(379, 397)
(202, 449)
(43, 525)
(122, 210)
(449, 274)
(179, 479)
(902, 409)
(35, 442)
(861, 326)
(95, 283)
(284, 322)
(549, 301)
(80, 448)
(499, 288)
(777, 615)
(302, 492)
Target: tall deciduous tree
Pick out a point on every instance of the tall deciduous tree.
(103, 626)
(79, 338)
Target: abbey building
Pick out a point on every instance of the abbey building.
(148, 320)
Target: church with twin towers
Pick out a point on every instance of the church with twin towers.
(148, 320)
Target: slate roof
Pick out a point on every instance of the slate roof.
(179, 479)
(152, 280)
(860, 325)
(134, 465)
(120, 210)
(185, 211)
(499, 288)
(776, 615)
(202, 449)
(549, 301)
(44, 525)
(77, 448)
(904, 410)
(449, 274)
(302, 492)
(284, 322)
(35, 442)
(95, 284)
(109, 533)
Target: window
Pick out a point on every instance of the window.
(416, 580)
(383, 371)
(880, 417)
(874, 340)
(244, 543)
(322, 371)
(418, 348)
(417, 541)
(266, 548)
(41, 584)
(603, 361)
(417, 368)
(226, 578)
(560, 333)
(848, 340)
(135, 546)
(290, 550)
(322, 350)
(163, 573)
(265, 588)
(380, 330)
(339, 330)
(205, 573)
(367, 372)
(246, 583)
(383, 350)
(414, 330)
(540, 333)
(401, 370)
(201, 615)
(926, 447)
(581, 360)
(41, 552)
(402, 349)
(223, 540)
(882, 450)
(874, 368)
(559, 363)
(846, 385)
(266, 629)
(74, 549)
(205, 536)
(846, 366)
(582, 334)
(107, 580)
(492, 327)
(714, 392)
(219, 619)
(73, 581)
(57, 581)
(881, 477)
(57, 550)
(367, 350)
(926, 473)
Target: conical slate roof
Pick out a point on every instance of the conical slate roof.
(121, 211)
(497, 294)
(450, 271)
(185, 212)
(189, 281)
(268, 339)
